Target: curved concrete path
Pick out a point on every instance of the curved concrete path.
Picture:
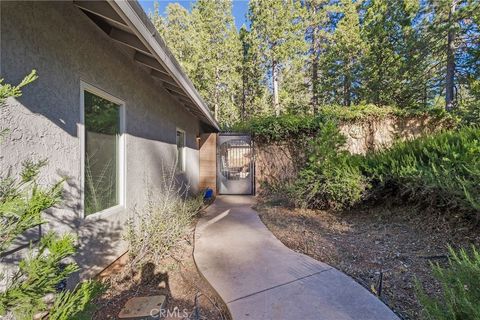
(259, 278)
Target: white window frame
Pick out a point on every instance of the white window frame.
(184, 158)
(85, 87)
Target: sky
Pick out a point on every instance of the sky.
(240, 8)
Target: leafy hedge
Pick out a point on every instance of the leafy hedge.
(441, 170)
(273, 128)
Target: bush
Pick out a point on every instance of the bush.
(331, 178)
(442, 169)
(469, 109)
(154, 231)
(460, 288)
(287, 126)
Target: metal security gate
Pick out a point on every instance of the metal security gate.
(235, 165)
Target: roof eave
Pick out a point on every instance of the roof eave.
(133, 14)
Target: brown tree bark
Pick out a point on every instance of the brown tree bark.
(450, 75)
(314, 48)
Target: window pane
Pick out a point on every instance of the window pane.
(102, 128)
(180, 150)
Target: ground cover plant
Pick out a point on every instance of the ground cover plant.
(441, 170)
(460, 282)
(330, 178)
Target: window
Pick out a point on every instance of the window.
(102, 141)
(180, 150)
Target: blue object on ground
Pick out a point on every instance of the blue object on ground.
(208, 194)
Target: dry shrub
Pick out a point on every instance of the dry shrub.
(152, 232)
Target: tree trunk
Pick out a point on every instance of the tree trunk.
(347, 88)
(215, 95)
(450, 76)
(244, 93)
(314, 73)
(276, 103)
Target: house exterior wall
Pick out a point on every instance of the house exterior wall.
(65, 48)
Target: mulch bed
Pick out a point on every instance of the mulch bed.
(383, 247)
(175, 276)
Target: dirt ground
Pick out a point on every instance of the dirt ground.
(176, 277)
(384, 247)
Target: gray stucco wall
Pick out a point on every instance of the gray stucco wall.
(65, 48)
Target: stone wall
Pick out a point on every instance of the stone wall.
(279, 163)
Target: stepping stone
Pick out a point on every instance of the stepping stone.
(144, 308)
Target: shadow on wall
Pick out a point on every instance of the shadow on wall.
(99, 240)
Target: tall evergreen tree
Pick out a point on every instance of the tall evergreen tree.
(454, 34)
(393, 64)
(217, 73)
(277, 25)
(209, 28)
(254, 93)
(180, 34)
(316, 24)
(341, 60)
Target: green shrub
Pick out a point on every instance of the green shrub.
(469, 109)
(286, 126)
(442, 169)
(460, 282)
(331, 178)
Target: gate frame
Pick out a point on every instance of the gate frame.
(217, 153)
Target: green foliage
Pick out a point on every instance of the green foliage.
(295, 56)
(8, 90)
(442, 169)
(293, 126)
(22, 202)
(469, 109)
(39, 275)
(460, 288)
(331, 178)
(209, 28)
(76, 304)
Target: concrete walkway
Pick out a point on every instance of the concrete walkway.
(259, 278)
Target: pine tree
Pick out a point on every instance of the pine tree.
(254, 93)
(454, 34)
(341, 60)
(179, 33)
(278, 27)
(316, 34)
(217, 73)
(207, 45)
(394, 67)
